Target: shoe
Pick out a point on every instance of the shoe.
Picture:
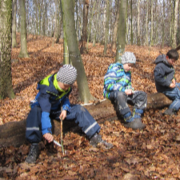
(135, 124)
(33, 154)
(97, 139)
(169, 112)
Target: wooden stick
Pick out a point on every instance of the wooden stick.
(62, 136)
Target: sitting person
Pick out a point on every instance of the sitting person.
(51, 98)
(165, 80)
(117, 88)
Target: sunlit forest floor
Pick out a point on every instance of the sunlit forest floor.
(153, 153)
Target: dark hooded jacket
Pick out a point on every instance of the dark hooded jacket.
(163, 74)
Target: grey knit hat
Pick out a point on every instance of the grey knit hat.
(67, 74)
(128, 57)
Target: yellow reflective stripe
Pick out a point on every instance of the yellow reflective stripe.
(59, 97)
(45, 81)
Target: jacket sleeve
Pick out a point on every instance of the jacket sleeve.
(45, 105)
(159, 76)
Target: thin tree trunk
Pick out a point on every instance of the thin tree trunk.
(121, 40)
(74, 53)
(114, 38)
(138, 23)
(6, 89)
(57, 27)
(146, 40)
(90, 25)
(23, 53)
(163, 25)
(106, 27)
(174, 44)
(85, 21)
(131, 25)
(152, 23)
(14, 8)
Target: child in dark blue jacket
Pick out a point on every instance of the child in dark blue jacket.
(52, 102)
(165, 80)
(117, 88)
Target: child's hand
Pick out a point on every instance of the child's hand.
(63, 114)
(172, 85)
(48, 137)
(173, 81)
(128, 91)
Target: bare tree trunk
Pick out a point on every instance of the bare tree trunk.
(113, 44)
(57, 28)
(14, 7)
(171, 21)
(85, 21)
(44, 18)
(138, 23)
(90, 24)
(121, 40)
(131, 25)
(6, 89)
(152, 23)
(23, 53)
(163, 23)
(174, 44)
(106, 27)
(74, 53)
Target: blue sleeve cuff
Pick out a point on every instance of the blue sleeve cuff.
(46, 123)
(66, 104)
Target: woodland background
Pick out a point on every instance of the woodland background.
(150, 29)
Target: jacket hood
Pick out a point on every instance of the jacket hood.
(162, 59)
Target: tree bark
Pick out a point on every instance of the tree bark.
(106, 27)
(114, 38)
(23, 53)
(6, 89)
(13, 133)
(174, 44)
(85, 22)
(57, 25)
(152, 24)
(74, 53)
(138, 23)
(14, 7)
(121, 39)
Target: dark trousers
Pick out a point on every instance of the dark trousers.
(77, 113)
(120, 99)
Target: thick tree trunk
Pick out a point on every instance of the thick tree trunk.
(23, 53)
(13, 133)
(6, 89)
(74, 53)
(121, 39)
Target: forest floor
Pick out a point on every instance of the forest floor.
(153, 153)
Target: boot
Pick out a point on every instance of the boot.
(96, 139)
(134, 121)
(169, 112)
(135, 124)
(33, 154)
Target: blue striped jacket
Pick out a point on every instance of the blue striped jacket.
(116, 79)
